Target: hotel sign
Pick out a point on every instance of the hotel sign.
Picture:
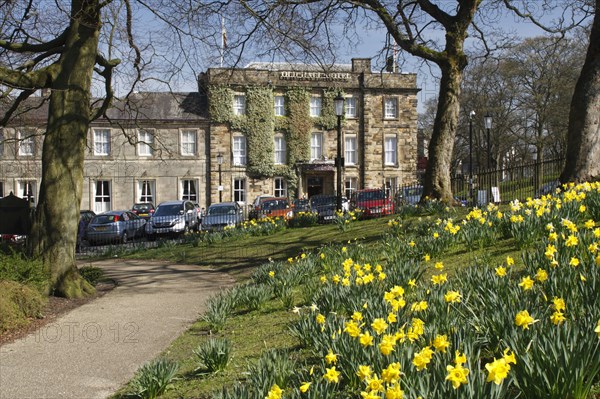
(318, 76)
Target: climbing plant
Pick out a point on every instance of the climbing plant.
(260, 123)
(258, 128)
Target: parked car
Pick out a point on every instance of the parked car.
(85, 217)
(301, 205)
(120, 226)
(222, 215)
(172, 217)
(143, 209)
(410, 195)
(276, 207)
(254, 212)
(373, 202)
(324, 206)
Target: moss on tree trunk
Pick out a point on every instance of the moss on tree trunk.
(54, 231)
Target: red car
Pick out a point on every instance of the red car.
(373, 202)
(276, 207)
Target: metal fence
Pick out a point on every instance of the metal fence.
(496, 185)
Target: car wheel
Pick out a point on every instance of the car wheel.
(124, 237)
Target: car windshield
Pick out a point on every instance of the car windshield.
(274, 205)
(141, 207)
(371, 195)
(221, 210)
(168, 210)
(103, 219)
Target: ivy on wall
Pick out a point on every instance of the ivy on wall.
(258, 128)
(259, 125)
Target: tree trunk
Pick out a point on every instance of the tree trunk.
(54, 230)
(583, 139)
(437, 175)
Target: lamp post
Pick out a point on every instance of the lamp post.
(535, 172)
(487, 121)
(220, 162)
(338, 103)
(471, 115)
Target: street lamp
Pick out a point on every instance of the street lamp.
(535, 171)
(487, 121)
(471, 115)
(220, 162)
(338, 103)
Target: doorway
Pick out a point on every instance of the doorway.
(314, 185)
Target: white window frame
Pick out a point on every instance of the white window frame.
(350, 186)
(102, 196)
(146, 190)
(239, 150)
(350, 150)
(280, 155)
(390, 151)
(316, 105)
(239, 190)
(188, 142)
(316, 146)
(101, 142)
(189, 189)
(279, 105)
(350, 107)
(27, 189)
(390, 108)
(26, 144)
(145, 143)
(280, 187)
(239, 104)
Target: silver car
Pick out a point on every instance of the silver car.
(115, 226)
(172, 217)
(220, 216)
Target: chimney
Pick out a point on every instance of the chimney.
(361, 65)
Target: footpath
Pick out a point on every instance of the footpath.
(93, 350)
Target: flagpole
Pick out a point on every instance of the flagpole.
(223, 39)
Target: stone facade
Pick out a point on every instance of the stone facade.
(163, 146)
(369, 127)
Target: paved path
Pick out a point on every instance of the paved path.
(93, 350)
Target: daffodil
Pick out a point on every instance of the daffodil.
(457, 375)
(391, 373)
(366, 339)
(305, 387)
(497, 371)
(557, 318)
(500, 271)
(523, 319)
(332, 375)
(330, 357)
(526, 283)
(274, 393)
(452, 296)
(597, 329)
(364, 372)
(320, 319)
(441, 343)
